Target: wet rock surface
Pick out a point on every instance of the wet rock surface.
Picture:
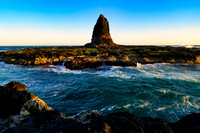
(77, 58)
(41, 118)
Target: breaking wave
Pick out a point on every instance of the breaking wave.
(160, 70)
(158, 90)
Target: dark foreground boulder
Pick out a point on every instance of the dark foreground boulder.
(23, 112)
(14, 98)
(91, 122)
(17, 105)
(188, 124)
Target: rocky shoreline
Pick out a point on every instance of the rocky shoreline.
(22, 111)
(101, 51)
(77, 58)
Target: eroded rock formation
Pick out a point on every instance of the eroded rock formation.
(101, 35)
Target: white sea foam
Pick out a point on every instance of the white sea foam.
(186, 102)
(139, 65)
(162, 108)
(158, 70)
(143, 105)
(83, 112)
(109, 108)
(165, 71)
(113, 71)
(164, 91)
(2, 63)
(127, 106)
(57, 69)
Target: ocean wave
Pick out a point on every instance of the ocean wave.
(166, 71)
(83, 112)
(187, 102)
(145, 104)
(113, 71)
(162, 108)
(57, 69)
(2, 63)
(158, 70)
(164, 91)
(108, 108)
(127, 106)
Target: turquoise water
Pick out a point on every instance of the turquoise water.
(158, 90)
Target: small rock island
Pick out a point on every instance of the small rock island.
(101, 37)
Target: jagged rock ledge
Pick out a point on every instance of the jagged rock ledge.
(23, 112)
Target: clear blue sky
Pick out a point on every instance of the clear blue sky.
(50, 22)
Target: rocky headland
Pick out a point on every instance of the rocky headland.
(22, 112)
(101, 51)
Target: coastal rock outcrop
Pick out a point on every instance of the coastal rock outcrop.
(101, 35)
(17, 105)
(77, 58)
(187, 124)
(14, 98)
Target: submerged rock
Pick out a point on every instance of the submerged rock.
(101, 35)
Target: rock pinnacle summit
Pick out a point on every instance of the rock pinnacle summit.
(101, 35)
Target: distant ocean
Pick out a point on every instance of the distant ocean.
(6, 48)
(158, 90)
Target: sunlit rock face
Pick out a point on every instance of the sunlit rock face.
(101, 35)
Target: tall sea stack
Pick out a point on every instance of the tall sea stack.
(101, 35)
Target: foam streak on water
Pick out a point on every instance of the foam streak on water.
(158, 90)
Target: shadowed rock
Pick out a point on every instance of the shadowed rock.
(101, 35)
(18, 106)
(15, 99)
(188, 124)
